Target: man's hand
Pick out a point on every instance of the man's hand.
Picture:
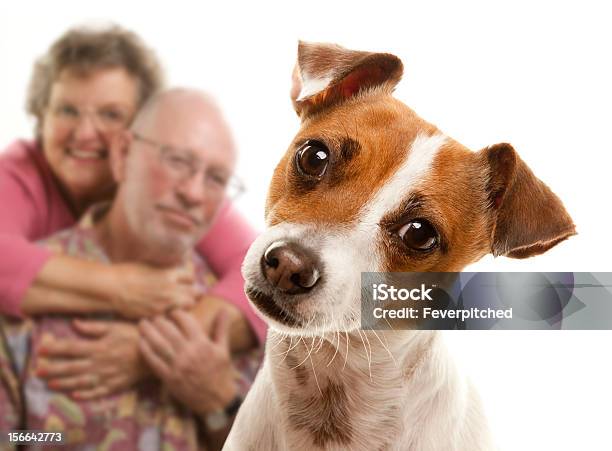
(241, 336)
(141, 291)
(196, 369)
(105, 362)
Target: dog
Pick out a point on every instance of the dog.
(367, 186)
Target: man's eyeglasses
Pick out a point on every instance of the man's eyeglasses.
(183, 165)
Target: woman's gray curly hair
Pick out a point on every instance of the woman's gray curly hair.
(84, 49)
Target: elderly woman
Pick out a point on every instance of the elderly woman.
(83, 92)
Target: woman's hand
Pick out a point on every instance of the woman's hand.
(141, 291)
(73, 285)
(106, 361)
(195, 368)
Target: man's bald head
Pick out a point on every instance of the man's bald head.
(186, 109)
(173, 169)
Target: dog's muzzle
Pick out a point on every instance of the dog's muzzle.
(290, 268)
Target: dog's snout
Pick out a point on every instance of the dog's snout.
(289, 267)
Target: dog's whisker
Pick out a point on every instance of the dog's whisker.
(320, 344)
(279, 354)
(330, 327)
(286, 353)
(305, 347)
(309, 323)
(315, 375)
(312, 345)
(388, 324)
(347, 349)
(334, 325)
(292, 347)
(390, 328)
(281, 338)
(307, 355)
(337, 347)
(386, 348)
(385, 335)
(366, 353)
(368, 342)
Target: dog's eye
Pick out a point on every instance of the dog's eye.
(419, 235)
(312, 158)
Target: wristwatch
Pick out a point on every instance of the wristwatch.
(232, 408)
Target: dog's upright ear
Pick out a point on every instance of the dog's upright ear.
(326, 74)
(529, 218)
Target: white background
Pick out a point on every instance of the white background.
(537, 75)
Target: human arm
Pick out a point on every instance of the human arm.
(23, 217)
(33, 280)
(32, 209)
(67, 284)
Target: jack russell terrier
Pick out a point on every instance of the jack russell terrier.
(368, 186)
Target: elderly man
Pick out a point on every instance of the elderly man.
(92, 378)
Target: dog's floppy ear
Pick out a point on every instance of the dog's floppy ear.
(326, 74)
(529, 217)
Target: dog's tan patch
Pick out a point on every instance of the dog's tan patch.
(452, 197)
(325, 415)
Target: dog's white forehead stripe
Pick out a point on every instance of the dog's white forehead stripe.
(422, 152)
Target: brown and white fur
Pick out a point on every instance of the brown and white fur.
(325, 383)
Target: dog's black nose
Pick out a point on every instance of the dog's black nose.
(289, 267)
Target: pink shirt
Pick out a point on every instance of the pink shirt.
(31, 208)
